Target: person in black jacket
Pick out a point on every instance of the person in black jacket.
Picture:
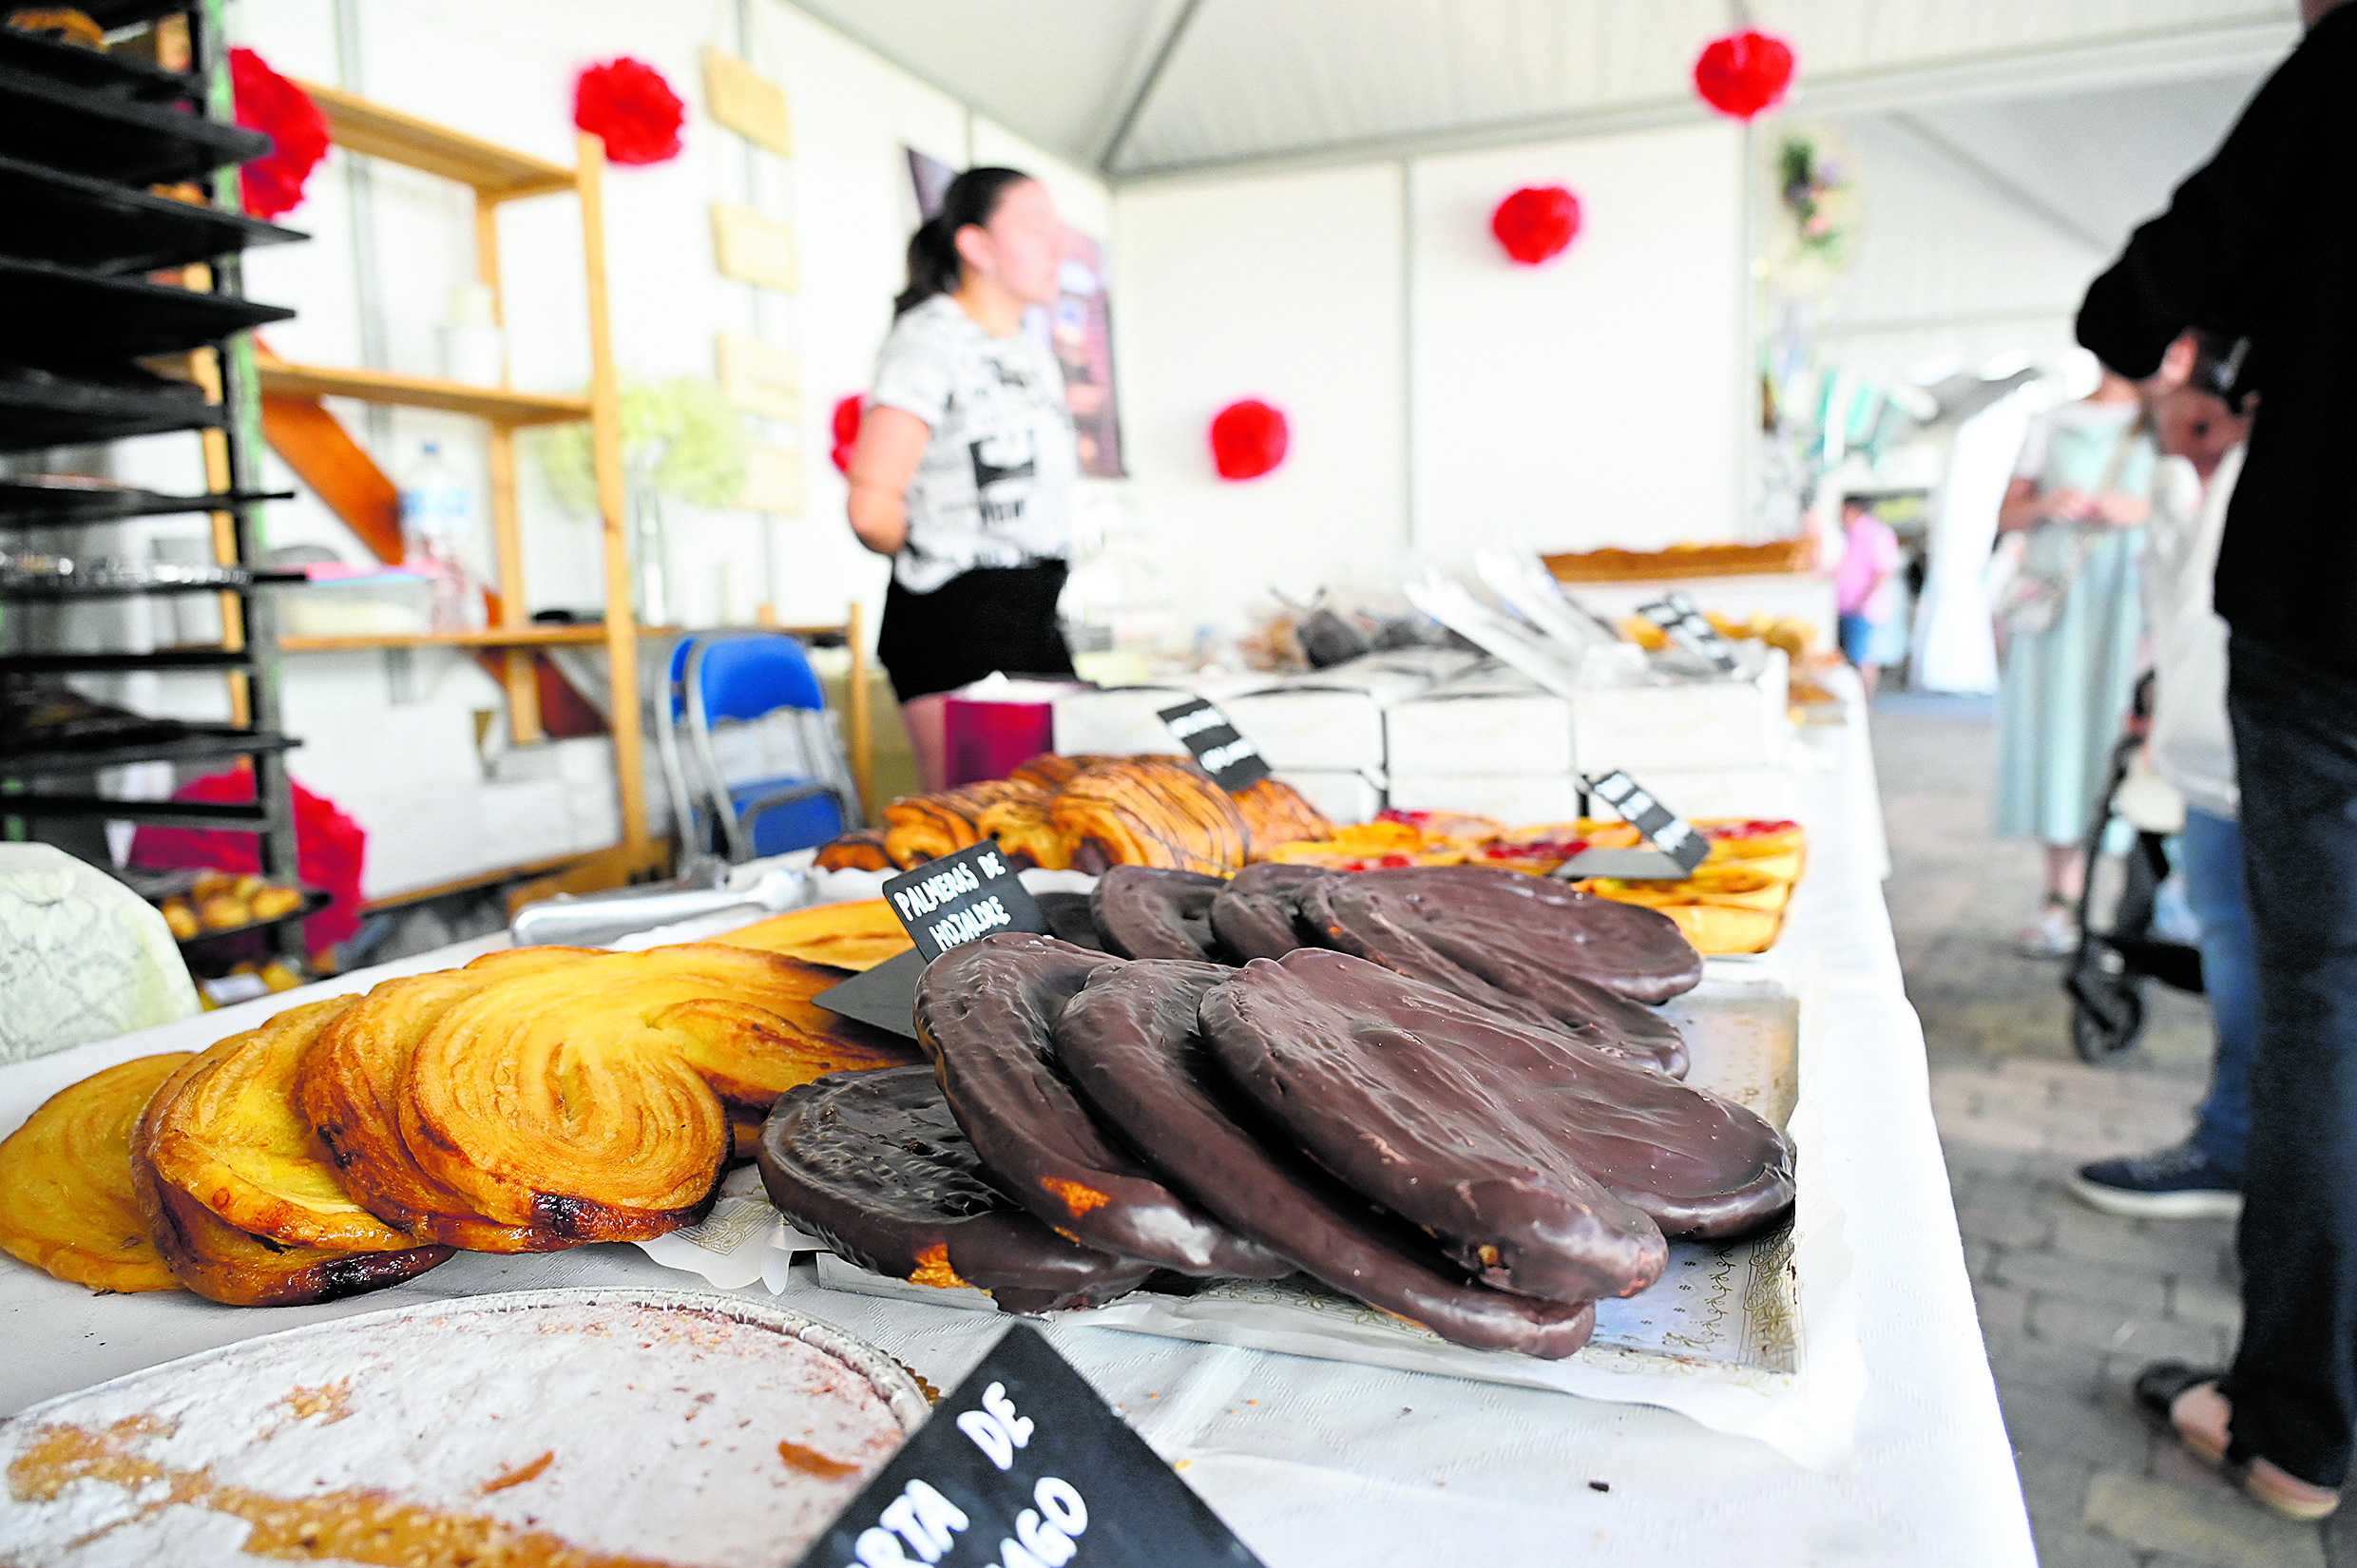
(2261, 245)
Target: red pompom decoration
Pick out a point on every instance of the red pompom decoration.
(1535, 222)
(329, 850)
(626, 104)
(1744, 73)
(846, 424)
(1248, 439)
(269, 103)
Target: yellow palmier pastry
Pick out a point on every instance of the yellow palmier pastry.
(72, 1210)
(589, 1100)
(229, 1133)
(753, 1033)
(223, 1263)
(1714, 927)
(857, 935)
(350, 1086)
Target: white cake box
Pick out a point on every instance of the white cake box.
(1488, 720)
(1122, 720)
(1345, 794)
(1653, 727)
(1515, 800)
(1331, 719)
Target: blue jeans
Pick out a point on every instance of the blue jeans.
(2210, 849)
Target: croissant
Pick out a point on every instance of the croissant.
(859, 851)
(1275, 812)
(849, 936)
(1025, 826)
(924, 826)
(1150, 812)
(349, 1087)
(71, 1208)
(221, 1261)
(230, 1135)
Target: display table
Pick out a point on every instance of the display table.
(1316, 1462)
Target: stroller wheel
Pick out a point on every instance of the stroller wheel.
(2100, 1035)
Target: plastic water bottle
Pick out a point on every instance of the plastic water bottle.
(437, 510)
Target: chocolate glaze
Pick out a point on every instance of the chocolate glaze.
(874, 1164)
(984, 1012)
(1068, 919)
(1258, 914)
(1130, 1042)
(1551, 1166)
(1548, 955)
(1144, 911)
(1636, 951)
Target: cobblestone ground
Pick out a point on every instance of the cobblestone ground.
(2072, 1302)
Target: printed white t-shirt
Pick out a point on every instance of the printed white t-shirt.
(994, 487)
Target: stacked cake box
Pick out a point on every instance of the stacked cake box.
(1492, 741)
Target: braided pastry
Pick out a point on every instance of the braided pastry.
(859, 851)
(71, 1209)
(1275, 812)
(1150, 812)
(1052, 771)
(919, 828)
(1023, 826)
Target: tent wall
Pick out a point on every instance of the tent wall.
(1441, 396)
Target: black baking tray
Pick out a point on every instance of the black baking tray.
(42, 121)
(91, 70)
(36, 501)
(44, 409)
(24, 754)
(59, 316)
(77, 221)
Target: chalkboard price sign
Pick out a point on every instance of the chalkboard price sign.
(1663, 828)
(1233, 761)
(943, 904)
(1689, 629)
(1022, 1466)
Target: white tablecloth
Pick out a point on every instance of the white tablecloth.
(1316, 1463)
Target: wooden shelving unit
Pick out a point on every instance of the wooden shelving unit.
(498, 175)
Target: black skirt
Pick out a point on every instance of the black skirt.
(992, 618)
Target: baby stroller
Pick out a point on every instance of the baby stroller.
(2106, 979)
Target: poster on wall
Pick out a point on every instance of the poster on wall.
(1079, 327)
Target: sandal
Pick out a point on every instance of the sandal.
(2155, 1393)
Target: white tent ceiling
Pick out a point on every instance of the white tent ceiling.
(1148, 89)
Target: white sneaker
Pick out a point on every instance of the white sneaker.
(2056, 935)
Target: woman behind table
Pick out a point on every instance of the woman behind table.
(966, 460)
(1869, 594)
(2074, 618)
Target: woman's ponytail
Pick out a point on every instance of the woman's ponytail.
(934, 265)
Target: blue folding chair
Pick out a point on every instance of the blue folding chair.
(742, 783)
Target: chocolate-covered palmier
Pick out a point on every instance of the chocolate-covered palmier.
(1069, 920)
(874, 1164)
(1130, 1044)
(1144, 911)
(1548, 1166)
(1258, 914)
(1545, 925)
(984, 1014)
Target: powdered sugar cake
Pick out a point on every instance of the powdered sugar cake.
(626, 1429)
